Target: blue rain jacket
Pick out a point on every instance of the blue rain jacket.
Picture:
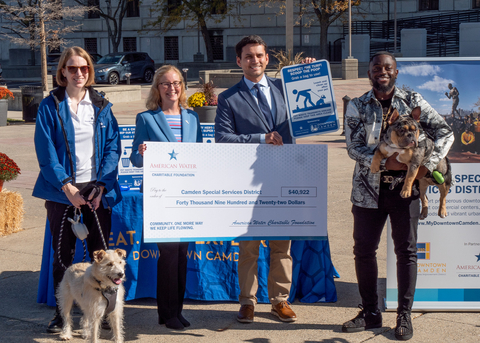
(57, 159)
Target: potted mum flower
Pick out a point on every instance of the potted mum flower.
(205, 102)
(8, 169)
(5, 94)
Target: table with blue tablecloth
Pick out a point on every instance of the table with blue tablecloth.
(211, 269)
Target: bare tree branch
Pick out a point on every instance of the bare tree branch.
(195, 13)
(325, 12)
(38, 24)
(113, 15)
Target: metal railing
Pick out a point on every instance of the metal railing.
(443, 31)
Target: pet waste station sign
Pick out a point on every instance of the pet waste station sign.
(309, 97)
(129, 177)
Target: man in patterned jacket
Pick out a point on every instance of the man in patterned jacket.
(372, 199)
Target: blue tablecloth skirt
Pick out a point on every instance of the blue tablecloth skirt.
(212, 266)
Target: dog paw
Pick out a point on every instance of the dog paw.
(405, 194)
(424, 213)
(374, 169)
(443, 214)
(66, 337)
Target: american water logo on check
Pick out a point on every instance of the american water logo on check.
(168, 169)
(173, 155)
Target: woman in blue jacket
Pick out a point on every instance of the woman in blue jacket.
(167, 120)
(78, 148)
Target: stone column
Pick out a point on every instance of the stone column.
(414, 42)
(360, 49)
(349, 68)
(469, 39)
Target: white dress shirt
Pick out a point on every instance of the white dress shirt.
(84, 126)
(265, 88)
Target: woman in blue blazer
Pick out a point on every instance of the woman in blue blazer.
(167, 120)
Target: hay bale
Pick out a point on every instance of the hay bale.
(11, 212)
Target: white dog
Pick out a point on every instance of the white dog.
(97, 288)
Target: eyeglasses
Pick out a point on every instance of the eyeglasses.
(73, 69)
(175, 84)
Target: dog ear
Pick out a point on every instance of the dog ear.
(99, 255)
(393, 117)
(122, 253)
(416, 112)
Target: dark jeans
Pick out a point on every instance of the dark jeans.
(368, 226)
(64, 252)
(171, 279)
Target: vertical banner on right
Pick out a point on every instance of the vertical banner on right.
(448, 249)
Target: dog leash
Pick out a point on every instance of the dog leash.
(100, 229)
(60, 234)
(79, 229)
(85, 192)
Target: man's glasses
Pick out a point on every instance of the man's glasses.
(175, 84)
(73, 69)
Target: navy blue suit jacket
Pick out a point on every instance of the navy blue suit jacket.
(240, 120)
(153, 126)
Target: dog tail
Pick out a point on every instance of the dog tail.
(448, 175)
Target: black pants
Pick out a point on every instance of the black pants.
(368, 226)
(171, 279)
(64, 244)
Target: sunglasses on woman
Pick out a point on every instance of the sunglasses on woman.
(73, 69)
(175, 84)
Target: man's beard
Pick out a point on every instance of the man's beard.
(383, 88)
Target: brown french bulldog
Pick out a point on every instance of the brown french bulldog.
(402, 137)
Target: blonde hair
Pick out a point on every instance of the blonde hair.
(154, 101)
(66, 55)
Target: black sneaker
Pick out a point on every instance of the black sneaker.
(365, 320)
(56, 324)
(404, 329)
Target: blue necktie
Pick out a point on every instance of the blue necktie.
(263, 104)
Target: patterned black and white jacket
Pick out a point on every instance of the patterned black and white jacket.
(363, 122)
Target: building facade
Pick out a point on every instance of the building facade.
(183, 43)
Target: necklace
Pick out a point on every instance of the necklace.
(385, 114)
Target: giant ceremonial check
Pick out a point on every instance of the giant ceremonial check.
(219, 192)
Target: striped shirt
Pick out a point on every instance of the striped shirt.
(175, 122)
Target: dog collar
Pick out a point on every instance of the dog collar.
(108, 290)
(422, 143)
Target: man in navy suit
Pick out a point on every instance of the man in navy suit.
(254, 111)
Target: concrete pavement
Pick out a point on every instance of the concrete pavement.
(23, 320)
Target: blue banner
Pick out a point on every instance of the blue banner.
(129, 177)
(212, 266)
